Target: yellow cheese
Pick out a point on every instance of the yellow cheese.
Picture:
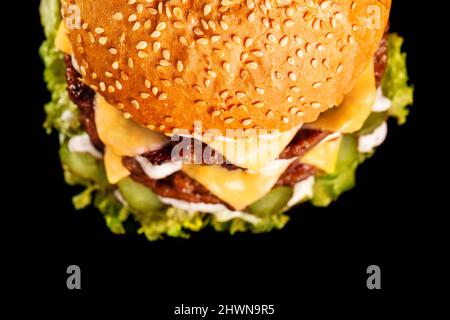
(125, 137)
(62, 42)
(324, 156)
(253, 151)
(115, 170)
(238, 188)
(355, 109)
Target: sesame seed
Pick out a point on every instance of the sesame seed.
(206, 9)
(164, 63)
(126, 115)
(248, 42)
(228, 120)
(166, 54)
(257, 53)
(141, 45)
(284, 41)
(292, 76)
(226, 67)
(224, 94)
(135, 104)
(260, 91)
(156, 46)
(156, 34)
(180, 66)
(252, 65)
(142, 54)
(136, 26)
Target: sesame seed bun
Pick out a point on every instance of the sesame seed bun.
(235, 64)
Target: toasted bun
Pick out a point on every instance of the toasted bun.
(235, 64)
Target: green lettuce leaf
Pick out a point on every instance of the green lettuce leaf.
(62, 114)
(395, 86)
(50, 16)
(395, 80)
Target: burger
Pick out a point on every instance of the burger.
(177, 115)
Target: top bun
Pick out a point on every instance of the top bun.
(231, 64)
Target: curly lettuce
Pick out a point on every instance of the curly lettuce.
(395, 80)
(62, 114)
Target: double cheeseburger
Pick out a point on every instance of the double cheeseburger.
(179, 114)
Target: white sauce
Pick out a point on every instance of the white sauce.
(159, 171)
(83, 144)
(221, 212)
(367, 143)
(67, 116)
(381, 103)
(273, 166)
(303, 190)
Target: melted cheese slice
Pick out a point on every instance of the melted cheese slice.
(324, 156)
(115, 170)
(62, 42)
(355, 109)
(125, 137)
(238, 188)
(253, 151)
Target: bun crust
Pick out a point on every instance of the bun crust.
(230, 64)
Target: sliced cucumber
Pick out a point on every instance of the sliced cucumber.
(83, 165)
(272, 203)
(348, 153)
(139, 197)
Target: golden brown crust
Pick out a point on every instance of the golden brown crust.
(269, 64)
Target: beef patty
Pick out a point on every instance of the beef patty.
(179, 185)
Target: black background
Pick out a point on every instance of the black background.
(321, 253)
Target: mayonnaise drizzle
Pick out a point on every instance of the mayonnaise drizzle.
(159, 171)
(82, 143)
(221, 212)
(303, 190)
(367, 143)
(382, 103)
